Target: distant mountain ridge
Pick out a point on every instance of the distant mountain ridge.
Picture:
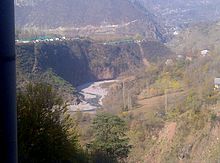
(56, 13)
(51, 14)
(178, 13)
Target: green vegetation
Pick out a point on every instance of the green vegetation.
(46, 133)
(56, 81)
(175, 111)
(110, 139)
(80, 61)
(196, 38)
(168, 112)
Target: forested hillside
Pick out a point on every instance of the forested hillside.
(118, 81)
(82, 61)
(197, 38)
(173, 113)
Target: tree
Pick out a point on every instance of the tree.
(110, 138)
(45, 131)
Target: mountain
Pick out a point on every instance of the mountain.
(204, 36)
(73, 13)
(114, 16)
(179, 13)
(83, 61)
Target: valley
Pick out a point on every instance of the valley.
(163, 103)
(150, 66)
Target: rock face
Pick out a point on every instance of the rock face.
(82, 61)
(119, 16)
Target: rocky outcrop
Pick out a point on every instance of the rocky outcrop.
(81, 61)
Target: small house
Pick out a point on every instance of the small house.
(217, 83)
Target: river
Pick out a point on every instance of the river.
(93, 94)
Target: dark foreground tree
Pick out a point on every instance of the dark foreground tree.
(110, 143)
(45, 131)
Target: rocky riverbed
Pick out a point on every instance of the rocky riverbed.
(93, 95)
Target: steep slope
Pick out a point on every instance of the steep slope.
(81, 61)
(72, 14)
(197, 38)
(81, 13)
(179, 13)
(181, 124)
